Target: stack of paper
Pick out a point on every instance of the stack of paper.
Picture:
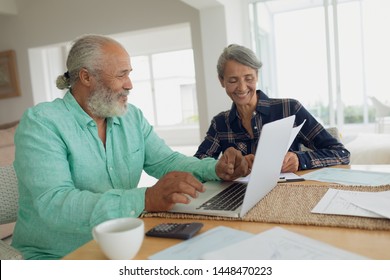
(280, 244)
(222, 243)
(194, 248)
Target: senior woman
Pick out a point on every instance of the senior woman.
(240, 127)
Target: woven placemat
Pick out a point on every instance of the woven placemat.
(292, 204)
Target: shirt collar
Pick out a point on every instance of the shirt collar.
(263, 106)
(80, 115)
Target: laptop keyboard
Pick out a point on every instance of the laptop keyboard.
(228, 200)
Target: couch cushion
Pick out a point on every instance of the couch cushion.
(7, 155)
(7, 146)
(7, 136)
(370, 148)
(8, 195)
(9, 253)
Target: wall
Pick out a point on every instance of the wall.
(45, 22)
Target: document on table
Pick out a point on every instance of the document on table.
(352, 203)
(349, 177)
(377, 202)
(280, 244)
(193, 248)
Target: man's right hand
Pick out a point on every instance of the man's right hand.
(174, 187)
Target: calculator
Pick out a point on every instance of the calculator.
(175, 230)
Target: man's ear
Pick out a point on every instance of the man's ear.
(85, 77)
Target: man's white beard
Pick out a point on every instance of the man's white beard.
(105, 103)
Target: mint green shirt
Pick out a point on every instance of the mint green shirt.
(69, 182)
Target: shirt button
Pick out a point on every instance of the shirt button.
(254, 113)
(132, 213)
(255, 127)
(110, 168)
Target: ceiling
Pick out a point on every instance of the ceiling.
(8, 7)
(202, 4)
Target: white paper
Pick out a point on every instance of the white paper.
(283, 176)
(193, 248)
(349, 177)
(280, 244)
(377, 202)
(338, 202)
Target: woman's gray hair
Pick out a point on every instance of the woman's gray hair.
(86, 52)
(241, 54)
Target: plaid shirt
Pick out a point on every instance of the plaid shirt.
(226, 130)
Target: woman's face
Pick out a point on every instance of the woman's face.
(240, 82)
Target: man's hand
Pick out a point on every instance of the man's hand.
(290, 162)
(174, 187)
(232, 165)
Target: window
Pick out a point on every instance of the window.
(164, 88)
(164, 85)
(330, 55)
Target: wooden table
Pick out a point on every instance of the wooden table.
(369, 243)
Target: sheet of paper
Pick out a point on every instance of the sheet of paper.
(286, 176)
(349, 177)
(294, 134)
(193, 248)
(280, 244)
(377, 202)
(338, 202)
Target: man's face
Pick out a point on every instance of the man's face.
(112, 85)
(105, 102)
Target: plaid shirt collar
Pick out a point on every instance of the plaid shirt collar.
(263, 107)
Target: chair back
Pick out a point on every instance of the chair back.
(381, 109)
(9, 195)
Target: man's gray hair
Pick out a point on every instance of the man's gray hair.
(86, 52)
(241, 54)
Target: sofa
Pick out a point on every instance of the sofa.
(8, 188)
(369, 148)
(7, 147)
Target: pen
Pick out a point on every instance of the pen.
(283, 180)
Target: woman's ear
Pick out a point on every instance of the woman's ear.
(221, 80)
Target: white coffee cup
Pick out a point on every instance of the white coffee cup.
(121, 238)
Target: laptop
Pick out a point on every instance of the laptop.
(239, 197)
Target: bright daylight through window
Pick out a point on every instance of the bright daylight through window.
(164, 81)
(330, 55)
